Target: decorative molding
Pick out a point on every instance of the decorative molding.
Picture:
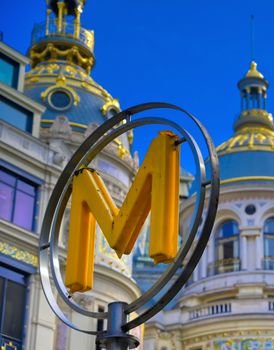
(61, 82)
(18, 254)
(247, 178)
(52, 52)
(111, 104)
(249, 138)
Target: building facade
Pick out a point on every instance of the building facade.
(45, 114)
(228, 302)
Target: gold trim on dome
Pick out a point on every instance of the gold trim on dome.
(249, 138)
(253, 72)
(110, 104)
(257, 112)
(89, 85)
(247, 178)
(61, 83)
(18, 254)
(122, 151)
(45, 70)
(93, 87)
(50, 121)
(130, 137)
(51, 52)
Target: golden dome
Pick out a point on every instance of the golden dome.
(249, 139)
(253, 73)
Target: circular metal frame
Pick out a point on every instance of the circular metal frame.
(61, 193)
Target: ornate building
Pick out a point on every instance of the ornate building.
(45, 115)
(229, 302)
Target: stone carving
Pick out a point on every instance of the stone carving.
(61, 127)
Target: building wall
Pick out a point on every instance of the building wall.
(26, 155)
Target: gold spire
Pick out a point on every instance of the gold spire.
(253, 73)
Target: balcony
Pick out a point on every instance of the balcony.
(48, 30)
(268, 263)
(224, 266)
(232, 307)
(210, 310)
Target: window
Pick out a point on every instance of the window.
(269, 244)
(250, 209)
(9, 71)
(17, 199)
(227, 248)
(13, 291)
(15, 114)
(60, 99)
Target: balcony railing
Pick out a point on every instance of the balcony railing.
(45, 30)
(210, 310)
(224, 266)
(268, 263)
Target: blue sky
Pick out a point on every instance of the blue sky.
(191, 53)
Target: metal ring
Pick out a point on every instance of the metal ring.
(61, 194)
(54, 251)
(97, 148)
(202, 242)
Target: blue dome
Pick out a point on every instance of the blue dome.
(247, 164)
(69, 91)
(248, 156)
(88, 109)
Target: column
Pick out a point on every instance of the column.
(48, 21)
(204, 263)
(41, 319)
(195, 274)
(259, 251)
(78, 11)
(259, 99)
(61, 6)
(243, 251)
(247, 98)
(210, 256)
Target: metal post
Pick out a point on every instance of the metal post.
(115, 338)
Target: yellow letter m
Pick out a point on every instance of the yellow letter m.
(155, 188)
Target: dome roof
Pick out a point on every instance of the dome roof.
(248, 156)
(68, 91)
(246, 166)
(61, 57)
(248, 139)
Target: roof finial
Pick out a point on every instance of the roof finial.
(253, 72)
(252, 37)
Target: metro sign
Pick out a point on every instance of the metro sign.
(155, 189)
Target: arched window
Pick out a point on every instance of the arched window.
(269, 244)
(227, 252)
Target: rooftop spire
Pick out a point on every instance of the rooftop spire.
(253, 72)
(252, 40)
(253, 88)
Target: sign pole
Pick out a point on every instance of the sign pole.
(115, 338)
